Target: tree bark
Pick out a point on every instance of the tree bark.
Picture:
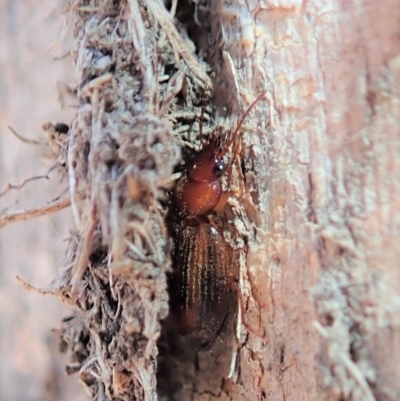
(324, 259)
(315, 200)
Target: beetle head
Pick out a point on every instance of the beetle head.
(208, 165)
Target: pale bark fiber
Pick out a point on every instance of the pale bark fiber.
(316, 199)
(325, 183)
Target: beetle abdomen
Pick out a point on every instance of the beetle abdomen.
(200, 281)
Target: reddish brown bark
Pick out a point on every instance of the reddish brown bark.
(317, 198)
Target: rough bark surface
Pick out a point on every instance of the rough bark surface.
(316, 200)
(324, 182)
(136, 73)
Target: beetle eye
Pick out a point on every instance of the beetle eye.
(219, 168)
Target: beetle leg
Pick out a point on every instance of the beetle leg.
(222, 202)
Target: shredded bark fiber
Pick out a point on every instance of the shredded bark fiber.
(140, 95)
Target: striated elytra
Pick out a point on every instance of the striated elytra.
(200, 283)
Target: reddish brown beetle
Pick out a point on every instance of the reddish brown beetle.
(201, 281)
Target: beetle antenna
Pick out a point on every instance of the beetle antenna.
(241, 121)
(259, 97)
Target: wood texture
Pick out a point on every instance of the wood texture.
(317, 199)
(323, 191)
